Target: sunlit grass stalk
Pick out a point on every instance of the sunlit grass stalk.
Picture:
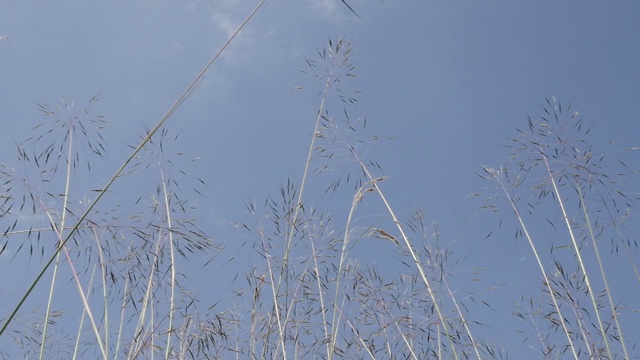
(294, 218)
(547, 282)
(105, 301)
(411, 327)
(576, 249)
(147, 301)
(582, 326)
(627, 250)
(360, 339)
(293, 301)
(373, 182)
(543, 340)
(149, 333)
(237, 344)
(122, 311)
(87, 308)
(253, 322)
(276, 304)
(414, 255)
(52, 287)
(405, 340)
(323, 310)
(253, 338)
(278, 319)
(439, 341)
(343, 254)
(412, 252)
(62, 223)
(592, 236)
(167, 209)
(462, 318)
(62, 246)
(84, 313)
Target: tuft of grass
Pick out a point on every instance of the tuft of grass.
(554, 169)
(313, 297)
(123, 262)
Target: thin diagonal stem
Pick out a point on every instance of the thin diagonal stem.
(124, 165)
(603, 274)
(576, 250)
(412, 252)
(547, 282)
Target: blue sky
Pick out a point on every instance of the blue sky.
(449, 81)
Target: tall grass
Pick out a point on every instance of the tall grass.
(310, 293)
(122, 260)
(312, 297)
(555, 173)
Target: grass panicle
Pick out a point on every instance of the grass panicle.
(555, 173)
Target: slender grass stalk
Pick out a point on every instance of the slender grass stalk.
(415, 257)
(412, 252)
(360, 339)
(296, 210)
(406, 341)
(323, 311)
(49, 302)
(554, 145)
(627, 250)
(80, 325)
(87, 308)
(70, 135)
(147, 302)
(343, 253)
(582, 326)
(253, 340)
(293, 301)
(370, 186)
(439, 341)
(576, 249)
(592, 236)
(495, 175)
(150, 331)
(172, 305)
(276, 307)
(122, 310)
(61, 246)
(462, 318)
(411, 342)
(105, 304)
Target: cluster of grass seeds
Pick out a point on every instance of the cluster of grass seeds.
(122, 259)
(555, 174)
(313, 297)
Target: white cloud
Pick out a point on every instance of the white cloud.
(325, 7)
(223, 22)
(335, 10)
